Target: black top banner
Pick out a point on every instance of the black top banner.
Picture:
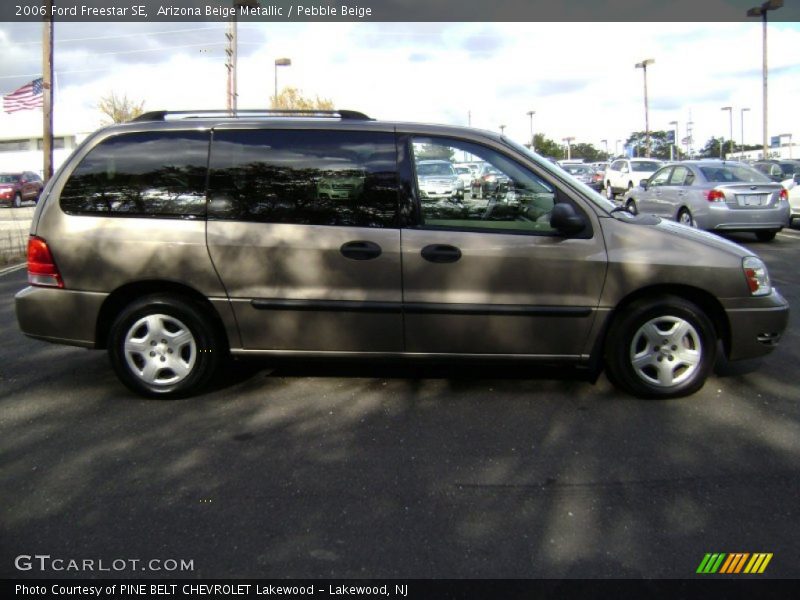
(401, 10)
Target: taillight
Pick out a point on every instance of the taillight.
(784, 194)
(715, 196)
(42, 269)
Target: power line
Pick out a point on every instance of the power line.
(114, 37)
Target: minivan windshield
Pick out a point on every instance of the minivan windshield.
(596, 198)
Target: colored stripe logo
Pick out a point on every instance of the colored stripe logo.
(734, 563)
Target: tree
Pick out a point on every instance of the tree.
(119, 109)
(547, 147)
(659, 146)
(291, 98)
(711, 149)
(434, 152)
(587, 152)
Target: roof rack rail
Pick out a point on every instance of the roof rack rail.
(161, 115)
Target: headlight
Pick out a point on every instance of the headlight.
(755, 272)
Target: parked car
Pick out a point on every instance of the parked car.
(16, 188)
(438, 179)
(585, 174)
(489, 182)
(788, 173)
(465, 174)
(173, 248)
(625, 173)
(778, 170)
(714, 195)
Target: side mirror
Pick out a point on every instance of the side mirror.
(565, 219)
(643, 184)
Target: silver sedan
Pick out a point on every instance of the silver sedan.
(713, 195)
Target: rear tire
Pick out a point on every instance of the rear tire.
(685, 218)
(766, 236)
(660, 348)
(609, 191)
(17, 200)
(630, 206)
(164, 346)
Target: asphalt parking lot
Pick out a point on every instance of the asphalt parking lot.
(349, 470)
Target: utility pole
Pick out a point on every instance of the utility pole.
(568, 140)
(47, 92)
(530, 113)
(744, 110)
(730, 117)
(230, 63)
(643, 65)
(761, 11)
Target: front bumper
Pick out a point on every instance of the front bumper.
(756, 325)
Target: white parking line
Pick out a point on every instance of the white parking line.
(12, 268)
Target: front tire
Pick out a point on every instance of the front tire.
(164, 346)
(661, 348)
(17, 200)
(609, 191)
(630, 206)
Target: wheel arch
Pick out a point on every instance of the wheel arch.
(131, 292)
(701, 298)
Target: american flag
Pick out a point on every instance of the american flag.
(27, 97)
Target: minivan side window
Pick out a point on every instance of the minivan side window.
(141, 174)
(309, 177)
(503, 197)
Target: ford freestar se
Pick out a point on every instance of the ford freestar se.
(179, 238)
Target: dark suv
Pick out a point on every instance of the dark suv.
(178, 239)
(16, 188)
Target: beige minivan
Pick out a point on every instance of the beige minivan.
(180, 238)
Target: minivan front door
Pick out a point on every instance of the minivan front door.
(489, 275)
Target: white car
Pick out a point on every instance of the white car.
(625, 174)
(792, 186)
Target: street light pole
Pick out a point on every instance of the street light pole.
(569, 150)
(530, 113)
(502, 129)
(730, 116)
(674, 145)
(605, 146)
(279, 62)
(743, 111)
(761, 11)
(643, 65)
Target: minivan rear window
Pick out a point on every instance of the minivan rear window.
(141, 174)
(307, 177)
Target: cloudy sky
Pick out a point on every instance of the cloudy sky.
(578, 77)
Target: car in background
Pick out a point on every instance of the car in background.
(786, 171)
(778, 170)
(490, 182)
(465, 174)
(438, 179)
(16, 188)
(713, 195)
(625, 173)
(585, 174)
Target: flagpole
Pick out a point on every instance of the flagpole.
(47, 92)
